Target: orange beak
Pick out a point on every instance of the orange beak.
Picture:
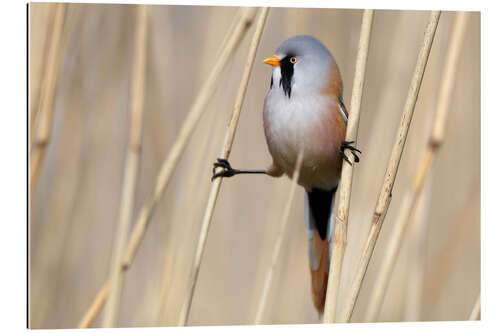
(273, 61)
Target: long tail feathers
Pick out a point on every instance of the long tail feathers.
(319, 277)
(319, 225)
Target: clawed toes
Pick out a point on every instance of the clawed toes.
(221, 163)
(354, 150)
(227, 169)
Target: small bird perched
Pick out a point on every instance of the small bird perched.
(303, 110)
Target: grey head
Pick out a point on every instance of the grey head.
(305, 65)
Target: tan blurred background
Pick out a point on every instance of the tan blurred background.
(74, 210)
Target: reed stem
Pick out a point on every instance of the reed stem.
(44, 117)
(413, 194)
(228, 141)
(96, 307)
(112, 309)
(178, 147)
(344, 196)
(185, 133)
(279, 241)
(393, 165)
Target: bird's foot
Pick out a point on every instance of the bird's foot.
(348, 145)
(227, 171)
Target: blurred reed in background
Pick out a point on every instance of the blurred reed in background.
(75, 204)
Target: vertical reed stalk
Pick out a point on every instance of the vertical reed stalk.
(172, 159)
(413, 194)
(112, 309)
(214, 191)
(279, 241)
(43, 119)
(344, 196)
(393, 164)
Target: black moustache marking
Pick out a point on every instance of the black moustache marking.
(286, 75)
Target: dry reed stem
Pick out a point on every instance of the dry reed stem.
(279, 241)
(444, 260)
(476, 310)
(393, 164)
(413, 194)
(36, 72)
(93, 311)
(230, 32)
(110, 318)
(228, 142)
(171, 160)
(417, 258)
(344, 196)
(186, 130)
(43, 119)
(195, 185)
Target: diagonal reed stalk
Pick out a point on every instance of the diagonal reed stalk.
(187, 128)
(413, 194)
(393, 165)
(476, 310)
(228, 142)
(170, 162)
(279, 241)
(112, 309)
(44, 116)
(195, 185)
(344, 196)
(37, 73)
(95, 308)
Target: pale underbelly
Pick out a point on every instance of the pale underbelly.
(320, 142)
(318, 170)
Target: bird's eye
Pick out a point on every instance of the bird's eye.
(293, 60)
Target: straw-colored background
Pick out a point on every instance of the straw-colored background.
(74, 209)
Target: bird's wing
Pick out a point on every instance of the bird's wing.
(343, 109)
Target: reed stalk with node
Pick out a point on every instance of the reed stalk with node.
(43, 119)
(385, 193)
(131, 166)
(246, 17)
(413, 194)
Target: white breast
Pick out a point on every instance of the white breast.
(292, 124)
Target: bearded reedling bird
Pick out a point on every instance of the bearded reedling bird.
(303, 110)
